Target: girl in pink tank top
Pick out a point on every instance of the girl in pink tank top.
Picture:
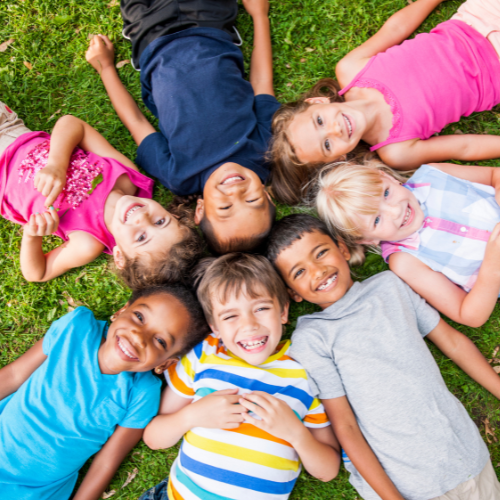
(396, 97)
(75, 185)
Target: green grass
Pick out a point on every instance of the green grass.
(52, 36)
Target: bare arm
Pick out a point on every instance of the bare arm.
(471, 309)
(100, 55)
(106, 462)
(396, 29)
(466, 355)
(16, 373)
(358, 450)
(261, 65)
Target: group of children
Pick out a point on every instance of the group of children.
(358, 381)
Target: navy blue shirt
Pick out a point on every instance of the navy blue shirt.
(193, 82)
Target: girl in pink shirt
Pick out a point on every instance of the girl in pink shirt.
(396, 96)
(75, 185)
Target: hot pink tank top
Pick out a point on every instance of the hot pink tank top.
(90, 179)
(433, 80)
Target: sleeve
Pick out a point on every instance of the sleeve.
(180, 377)
(154, 156)
(316, 416)
(144, 403)
(265, 106)
(310, 351)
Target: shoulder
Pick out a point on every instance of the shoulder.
(84, 243)
(144, 381)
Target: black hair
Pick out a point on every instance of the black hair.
(290, 229)
(198, 328)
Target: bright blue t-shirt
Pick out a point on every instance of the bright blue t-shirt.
(193, 82)
(67, 410)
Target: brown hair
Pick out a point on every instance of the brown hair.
(289, 175)
(233, 273)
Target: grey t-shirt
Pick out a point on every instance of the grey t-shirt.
(369, 347)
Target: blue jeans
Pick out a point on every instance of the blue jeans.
(158, 492)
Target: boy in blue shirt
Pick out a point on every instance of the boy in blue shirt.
(214, 125)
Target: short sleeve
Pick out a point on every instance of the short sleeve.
(144, 402)
(309, 350)
(316, 416)
(180, 377)
(153, 155)
(265, 106)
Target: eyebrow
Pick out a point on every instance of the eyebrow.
(311, 252)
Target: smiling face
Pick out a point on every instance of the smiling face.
(315, 269)
(142, 226)
(249, 327)
(398, 216)
(325, 131)
(235, 202)
(144, 335)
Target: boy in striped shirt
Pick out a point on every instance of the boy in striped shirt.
(244, 407)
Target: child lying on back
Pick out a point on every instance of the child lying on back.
(405, 435)
(236, 396)
(87, 389)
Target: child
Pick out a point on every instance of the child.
(84, 390)
(214, 125)
(396, 97)
(405, 435)
(236, 396)
(75, 185)
(438, 230)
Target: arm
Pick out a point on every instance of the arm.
(396, 29)
(106, 462)
(471, 309)
(100, 55)
(411, 154)
(466, 355)
(261, 65)
(218, 410)
(318, 449)
(358, 450)
(16, 373)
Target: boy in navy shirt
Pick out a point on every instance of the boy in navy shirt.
(214, 125)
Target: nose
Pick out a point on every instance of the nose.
(137, 337)
(249, 323)
(319, 272)
(335, 128)
(394, 210)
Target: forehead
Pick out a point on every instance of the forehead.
(243, 223)
(165, 312)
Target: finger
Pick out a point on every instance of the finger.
(250, 420)
(258, 410)
(230, 426)
(107, 41)
(49, 223)
(226, 391)
(237, 408)
(41, 224)
(54, 193)
(260, 398)
(32, 224)
(495, 232)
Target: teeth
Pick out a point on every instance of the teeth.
(232, 179)
(408, 213)
(125, 350)
(348, 125)
(327, 283)
(253, 345)
(131, 211)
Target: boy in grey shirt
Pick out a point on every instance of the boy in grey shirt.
(405, 435)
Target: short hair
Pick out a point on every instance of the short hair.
(290, 229)
(198, 328)
(251, 244)
(231, 273)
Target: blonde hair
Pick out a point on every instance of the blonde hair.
(344, 190)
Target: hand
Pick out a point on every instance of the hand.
(50, 181)
(278, 418)
(219, 410)
(492, 253)
(257, 8)
(42, 224)
(101, 53)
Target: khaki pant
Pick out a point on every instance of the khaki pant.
(484, 486)
(11, 127)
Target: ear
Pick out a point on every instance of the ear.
(214, 330)
(318, 100)
(284, 314)
(164, 366)
(118, 257)
(294, 295)
(269, 196)
(117, 313)
(344, 250)
(199, 211)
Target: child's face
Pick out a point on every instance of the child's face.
(249, 327)
(315, 269)
(325, 131)
(144, 335)
(142, 226)
(235, 202)
(398, 217)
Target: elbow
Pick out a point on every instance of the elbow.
(329, 475)
(148, 438)
(32, 278)
(473, 322)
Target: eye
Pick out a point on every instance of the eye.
(226, 208)
(139, 316)
(319, 120)
(160, 222)
(386, 193)
(142, 237)
(327, 144)
(229, 317)
(320, 254)
(263, 308)
(377, 220)
(251, 201)
(298, 273)
(161, 342)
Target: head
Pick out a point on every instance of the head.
(367, 203)
(313, 264)
(245, 303)
(153, 245)
(236, 212)
(157, 325)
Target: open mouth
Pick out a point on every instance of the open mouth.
(254, 345)
(408, 217)
(126, 351)
(350, 128)
(232, 179)
(328, 283)
(131, 210)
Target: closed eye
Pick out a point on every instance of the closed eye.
(263, 309)
(229, 317)
(225, 208)
(251, 201)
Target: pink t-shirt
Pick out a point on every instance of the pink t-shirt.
(433, 80)
(90, 179)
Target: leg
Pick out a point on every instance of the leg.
(158, 492)
(11, 127)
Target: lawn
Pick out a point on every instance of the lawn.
(44, 75)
